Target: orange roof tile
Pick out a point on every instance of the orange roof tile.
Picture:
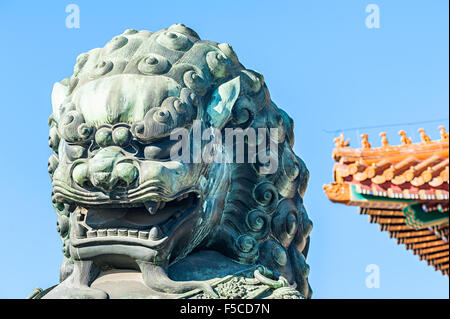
(409, 171)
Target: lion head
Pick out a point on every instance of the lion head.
(123, 201)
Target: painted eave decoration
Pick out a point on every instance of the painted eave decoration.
(403, 188)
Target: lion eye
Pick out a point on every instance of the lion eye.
(156, 152)
(159, 151)
(75, 152)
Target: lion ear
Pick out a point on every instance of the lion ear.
(222, 102)
(58, 96)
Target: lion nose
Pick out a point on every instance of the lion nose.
(100, 172)
(106, 170)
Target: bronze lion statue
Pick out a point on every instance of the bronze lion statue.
(137, 222)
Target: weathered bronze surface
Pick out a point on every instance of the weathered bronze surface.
(137, 224)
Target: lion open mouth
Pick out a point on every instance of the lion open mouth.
(149, 224)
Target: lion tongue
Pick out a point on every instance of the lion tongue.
(152, 207)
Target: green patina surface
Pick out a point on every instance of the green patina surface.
(417, 218)
(123, 203)
(413, 212)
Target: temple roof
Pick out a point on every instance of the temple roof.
(404, 188)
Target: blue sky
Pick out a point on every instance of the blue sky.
(321, 64)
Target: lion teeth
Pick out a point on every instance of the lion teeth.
(79, 230)
(91, 233)
(143, 234)
(152, 206)
(112, 232)
(132, 233)
(155, 233)
(123, 232)
(101, 232)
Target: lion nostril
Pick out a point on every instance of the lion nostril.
(100, 173)
(101, 178)
(80, 174)
(126, 172)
